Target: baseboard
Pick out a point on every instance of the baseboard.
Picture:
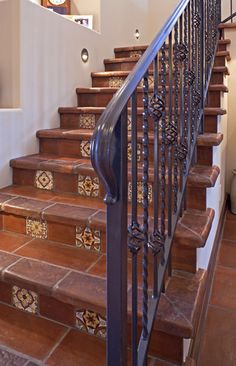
(195, 344)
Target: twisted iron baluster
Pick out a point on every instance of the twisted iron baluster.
(145, 207)
(156, 108)
(163, 139)
(135, 234)
(184, 142)
(193, 100)
(176, 117)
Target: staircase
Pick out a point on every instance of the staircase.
(53, 236)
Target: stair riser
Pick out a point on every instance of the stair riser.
(196, 198)
(217, 78)
(184, 258)
(111, 81)
(220, 61)
(73, 121)
(128, 66)
(75, 148)
(102, 99)
(214, 99)
(82, 234)
(76, 121)
(124, 54)
(222, 47)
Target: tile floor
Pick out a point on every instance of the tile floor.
(219, 342)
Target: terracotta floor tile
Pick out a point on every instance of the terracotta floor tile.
(224, 288)
(219, 341)
(230, 216)
(83, 290)
(79, 349)
(36, 274)
(59, 254)
(80, 201)
(229, 230)
(227, 257)
(9, 242)
(28, 334)
(4, 198)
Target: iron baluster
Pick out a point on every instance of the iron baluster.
(169, 138)
(145, 206)
(176, 115)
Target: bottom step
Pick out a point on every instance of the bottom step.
(33, 341)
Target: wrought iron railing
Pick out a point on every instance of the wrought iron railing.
(232, 12)
(143, 162)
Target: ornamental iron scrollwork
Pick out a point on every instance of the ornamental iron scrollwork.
(196, 20)
(196, 98)
(156, 107)
(182, 151)
(135, 238)
(171, 133)
(190, 77)
(157, 244)
(181, 51)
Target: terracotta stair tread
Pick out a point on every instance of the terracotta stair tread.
(224, 41)
(218, 87)
(49, 162)
(210, 139)
(15, 191)
(119, 60)
(221, 69)
(213, 111)
(203, 176)
(227, 25)
(194, 227)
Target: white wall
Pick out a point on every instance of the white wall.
(9, 60)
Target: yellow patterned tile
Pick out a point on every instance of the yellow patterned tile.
(140, 192)
(130, 151)
(115, 82)
(36, 228)
(88, 186)
(87, 120)
(88, 238)
(85, 149)
(44, 180)
(135, 54)
(26, 300)
(91, 322)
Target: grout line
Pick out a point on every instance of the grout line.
(23, 245)
(94, 263)
(60, 281)
(57, 344)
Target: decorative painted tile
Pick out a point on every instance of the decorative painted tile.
(85, 149)
(140, 192)
(87, 121)
(135, 54)
(130, 151)
(88, 238)
(25, 300)
(129, 122)
(115, 82)
(44, 180)
(90, 322)
(36, 228)
(88, 186)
